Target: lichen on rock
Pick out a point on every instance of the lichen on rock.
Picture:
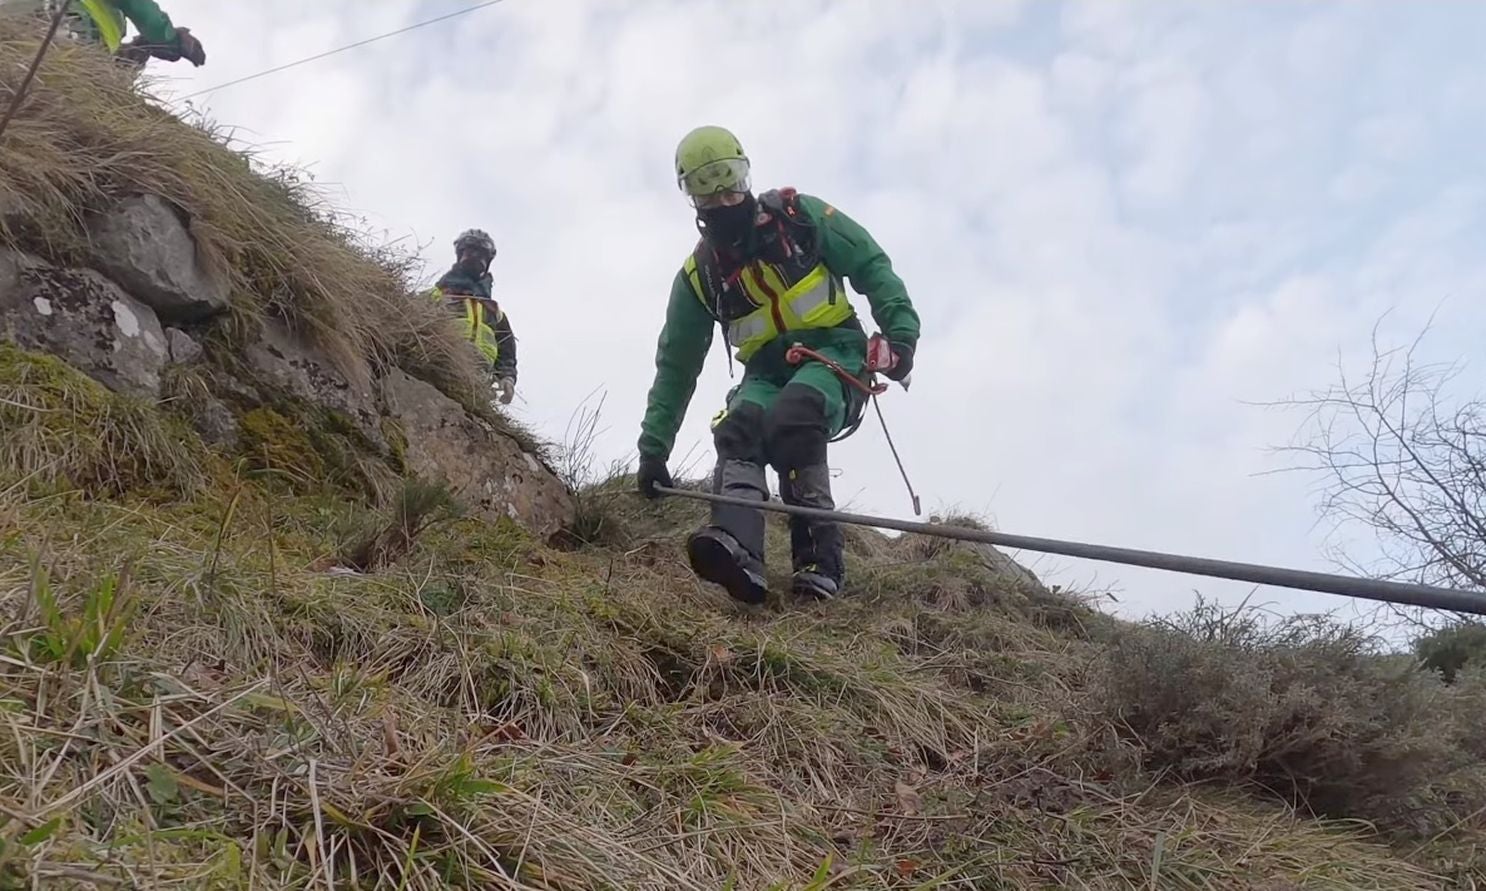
(480, 466)
(83, 318)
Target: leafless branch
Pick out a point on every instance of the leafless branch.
(1395, 456)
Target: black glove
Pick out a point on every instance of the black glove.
(653, 472)
(904, 365)
(186, 47)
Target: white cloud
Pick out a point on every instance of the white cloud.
(1119, 222)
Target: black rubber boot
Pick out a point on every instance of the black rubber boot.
(795, 438)
(729, 551)
(717, 557)
(818, 546)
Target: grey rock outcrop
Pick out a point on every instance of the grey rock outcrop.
(183, 350)
(216, 423)
(143, 245)
(84, 319)
(141, 321)
(289, 363)
(486, 470)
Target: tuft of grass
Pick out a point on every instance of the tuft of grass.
(65, 430)
(597, 494)
(76, 639)
(418, 506)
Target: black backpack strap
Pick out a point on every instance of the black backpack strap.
(708, 285)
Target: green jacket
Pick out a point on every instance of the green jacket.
(148, 18)
(846, 248)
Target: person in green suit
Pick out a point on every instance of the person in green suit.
(104, 22)
(768, 270)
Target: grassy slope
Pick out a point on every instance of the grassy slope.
(190, 699)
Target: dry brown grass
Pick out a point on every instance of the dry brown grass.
(192, 697)
(84, 138)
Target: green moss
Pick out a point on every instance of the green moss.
(65, 430)
(314, 449)
(352, 461)
(397, 442)
(271, 442)
(474, 542)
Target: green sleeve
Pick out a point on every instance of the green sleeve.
(850, 250)
(679, 356)
(149, 19)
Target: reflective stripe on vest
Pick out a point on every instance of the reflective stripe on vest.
(476, 329)
(110, 22)
(815, 301)
(480, 332)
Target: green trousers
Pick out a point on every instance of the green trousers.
(762, 390)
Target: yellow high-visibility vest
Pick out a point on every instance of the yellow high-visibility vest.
(478, 327)
(109, 21)
(816, 300)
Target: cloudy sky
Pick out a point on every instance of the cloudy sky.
(1122, 224)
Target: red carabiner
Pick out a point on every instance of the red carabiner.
(880, 355)
(799, 353)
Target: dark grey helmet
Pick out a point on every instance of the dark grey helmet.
(475, 238)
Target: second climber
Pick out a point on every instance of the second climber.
(467, 290)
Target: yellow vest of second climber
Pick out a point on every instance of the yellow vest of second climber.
(816, 299)
(478, 327)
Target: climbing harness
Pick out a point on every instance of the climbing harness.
(880, 358)
(1427, 596)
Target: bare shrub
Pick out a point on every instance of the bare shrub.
(1309, 710)
(1452, 648)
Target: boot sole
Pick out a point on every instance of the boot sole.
(711, 560)
(811, 592)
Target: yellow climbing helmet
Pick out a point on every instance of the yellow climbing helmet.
(710, 160)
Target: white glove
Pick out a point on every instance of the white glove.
(507, 387)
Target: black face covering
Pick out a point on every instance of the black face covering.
(472, 266)
(730, 226)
